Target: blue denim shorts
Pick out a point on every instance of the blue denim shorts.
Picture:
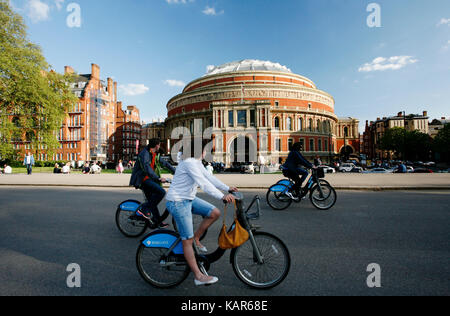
(182, 213)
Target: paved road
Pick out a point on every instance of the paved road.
(42, 230)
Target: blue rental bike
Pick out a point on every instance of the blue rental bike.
(321, 194)
(130, 222)
(262, 262)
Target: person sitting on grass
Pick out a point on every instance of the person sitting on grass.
(57, 169)
(86, 169)
(7, 169)
(66, 168)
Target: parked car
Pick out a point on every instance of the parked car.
(349, 167)
(429, 163)
(423, 170)
(327, 169)
(380, 170)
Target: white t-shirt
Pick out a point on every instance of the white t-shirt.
(8, 170)
(189, 176)
(210, 169)
(65, 169)
(96, 168)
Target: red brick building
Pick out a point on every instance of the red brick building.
(126, 139)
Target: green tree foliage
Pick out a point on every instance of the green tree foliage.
(441, 144)
(33, 99)
(409, 145)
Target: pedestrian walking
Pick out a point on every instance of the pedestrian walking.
(29, 163)
(119, 167)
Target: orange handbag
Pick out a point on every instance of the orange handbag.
(235, 238)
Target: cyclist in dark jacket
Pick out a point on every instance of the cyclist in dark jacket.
(292, 169)
(146, 177)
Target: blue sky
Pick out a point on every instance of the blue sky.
(153, 47)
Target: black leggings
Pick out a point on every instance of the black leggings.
(295, 176)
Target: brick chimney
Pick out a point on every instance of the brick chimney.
(110, 87)
(95, 71)
(68, 70)
(425, 113)
(115, 92)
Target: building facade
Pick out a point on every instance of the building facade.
(260, 106)
(436, 125)
(154, 130)
(86, 132)
(127, 138)
(375, 131)
(348, 138)
(95, 128)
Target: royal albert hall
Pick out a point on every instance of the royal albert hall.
(261, 105)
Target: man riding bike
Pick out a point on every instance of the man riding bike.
(182, 203)
(146, 176)
(292, 170)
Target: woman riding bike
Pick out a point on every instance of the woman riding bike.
(146, 176)
(292, 170)
(182, 203)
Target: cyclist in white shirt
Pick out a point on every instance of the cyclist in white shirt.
(182, 203)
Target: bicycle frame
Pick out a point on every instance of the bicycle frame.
(173, 242)
(288, 184)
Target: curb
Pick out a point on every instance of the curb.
(338, 188)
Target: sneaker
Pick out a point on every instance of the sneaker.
(207, 281)
(291, 196)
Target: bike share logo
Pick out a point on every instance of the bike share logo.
(157, 243)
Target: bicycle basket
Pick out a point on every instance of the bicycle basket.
(320, 173)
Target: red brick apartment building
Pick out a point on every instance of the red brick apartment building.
(96, 128)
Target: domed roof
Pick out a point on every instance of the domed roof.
(247, 65)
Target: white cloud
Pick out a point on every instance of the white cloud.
(59, 4)
(391, 63)
(444, 22)
(179, 1)
(446, 47)
(174, 83)
(37, 11)
(133, 89)
(212, 11)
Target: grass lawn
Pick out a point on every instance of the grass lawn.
(74, 171)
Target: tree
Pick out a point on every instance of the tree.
(394, 140)
(441, 144)
(34, 100)
(410, 145)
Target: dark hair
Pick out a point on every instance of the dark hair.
(152, 143)
(297, 147)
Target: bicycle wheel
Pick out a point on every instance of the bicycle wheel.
(277, 199)
(161, 275)
(323, 199)
(275, 266)
(129, 224)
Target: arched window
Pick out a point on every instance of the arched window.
(277, 123)
(319, 127)
(300, 124)
(310, 127)
(289, 124)
(311, 144)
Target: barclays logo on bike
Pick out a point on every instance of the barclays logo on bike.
(157, 243)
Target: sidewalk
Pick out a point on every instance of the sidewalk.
(338, 181)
